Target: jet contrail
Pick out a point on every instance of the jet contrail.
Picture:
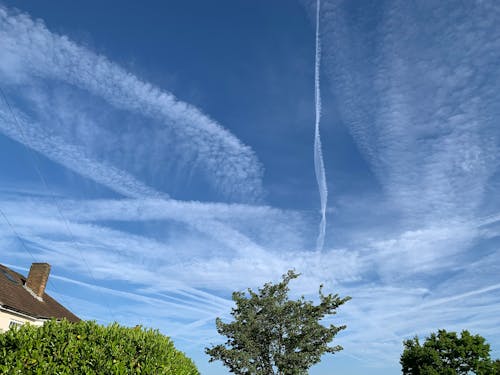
(319, 165)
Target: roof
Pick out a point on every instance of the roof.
(14, 296)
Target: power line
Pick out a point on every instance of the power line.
(26, 249)
(17, 235)
(44, 182)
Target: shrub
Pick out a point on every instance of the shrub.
(89, 348)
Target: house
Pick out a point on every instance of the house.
(24, 299)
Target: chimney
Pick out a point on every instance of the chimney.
(38, 277)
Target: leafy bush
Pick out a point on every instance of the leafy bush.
(89, 348)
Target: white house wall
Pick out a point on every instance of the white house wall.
(6, 317)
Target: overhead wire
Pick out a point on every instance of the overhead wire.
(27, 250)
(52, 196)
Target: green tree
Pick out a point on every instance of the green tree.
(89, 348)
(271, 334)
(496, 367)
(446, 353)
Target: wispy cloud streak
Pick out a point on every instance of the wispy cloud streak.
(163, 274)
(214, 263)
(32, 54)
(319, 165)
(30, 133)
(230, 224)
(424, 120)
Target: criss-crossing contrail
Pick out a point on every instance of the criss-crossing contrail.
(319, 165)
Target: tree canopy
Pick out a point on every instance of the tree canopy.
(272, 334)
(496, 367)
(446, 353)
(89, 348)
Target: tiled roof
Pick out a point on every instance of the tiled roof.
(14, 296)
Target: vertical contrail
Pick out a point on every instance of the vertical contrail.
(319, 165)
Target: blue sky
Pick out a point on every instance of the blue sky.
(160, 157)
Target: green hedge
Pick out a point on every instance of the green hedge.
(89, 348)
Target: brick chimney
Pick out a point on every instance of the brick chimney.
(38, 277)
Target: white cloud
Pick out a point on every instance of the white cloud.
(424, 250)
(32, 57)
(192, 287)
(33, 135)
(419, 103)
(230, 225)
(200, 257)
